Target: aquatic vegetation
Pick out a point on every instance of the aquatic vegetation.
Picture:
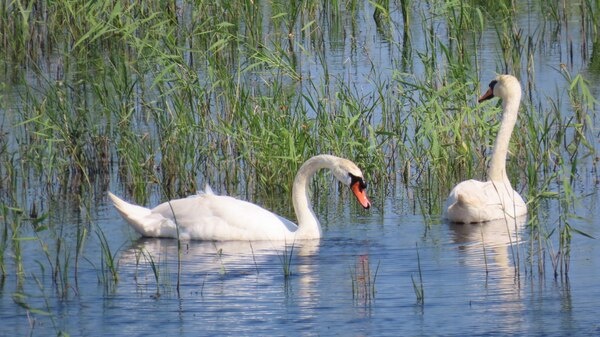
(418, 284)
(286, 260)
(108, 273)
(155, 269)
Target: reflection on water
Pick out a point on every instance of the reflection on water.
(470, 281)
(489, 247)
(240, 288)
(231, 285)
(492, 239)
(232, 262)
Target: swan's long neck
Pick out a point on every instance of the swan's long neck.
(497, 168)
(308, 224)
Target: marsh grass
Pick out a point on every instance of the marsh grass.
(32, 293)
(285, 258)
(418, 284)
(108, 274)
(36, 311)
(57, 254)
(158, 266)
(5, 242)
(156, 270)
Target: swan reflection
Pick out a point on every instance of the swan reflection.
(231, 264)
(492, 239)
(492, 277)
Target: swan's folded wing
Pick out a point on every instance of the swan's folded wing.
(467, 202)
(476, 201)
(214, 217)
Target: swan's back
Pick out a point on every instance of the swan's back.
(474, 201)
(206, 217)
(219, 217)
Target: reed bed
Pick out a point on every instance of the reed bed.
(168, 96)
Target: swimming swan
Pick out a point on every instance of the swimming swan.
(207, 216)
(474, 201)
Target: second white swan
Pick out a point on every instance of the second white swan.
(474, 201)
(207, 216)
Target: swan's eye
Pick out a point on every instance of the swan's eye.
(357, 180)
(493, 84)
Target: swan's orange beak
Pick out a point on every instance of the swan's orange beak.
(359, 190)
(488, 94)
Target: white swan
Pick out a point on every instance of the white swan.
(207, 216)
(479, 201)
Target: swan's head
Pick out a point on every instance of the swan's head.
(348, 173)
(504, 87)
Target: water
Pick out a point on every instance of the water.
(477, 279)
(232, 288)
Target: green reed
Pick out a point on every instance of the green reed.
(418, 285)
(35, 312)
(286, 260)
(12, 237)
(4, 243)
(108, 274)
(556, 144)
(58, 258)
(156, 271)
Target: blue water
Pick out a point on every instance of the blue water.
(470, 287)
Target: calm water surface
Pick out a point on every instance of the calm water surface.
(469, 276)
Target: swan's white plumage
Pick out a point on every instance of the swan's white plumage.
(479, 201)
(207, 216)
(474, 201)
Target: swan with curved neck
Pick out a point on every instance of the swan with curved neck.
(207, 216)
(474, 201)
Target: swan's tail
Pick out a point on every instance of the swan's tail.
(465, 200)
(140, 218)
(207, 191)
